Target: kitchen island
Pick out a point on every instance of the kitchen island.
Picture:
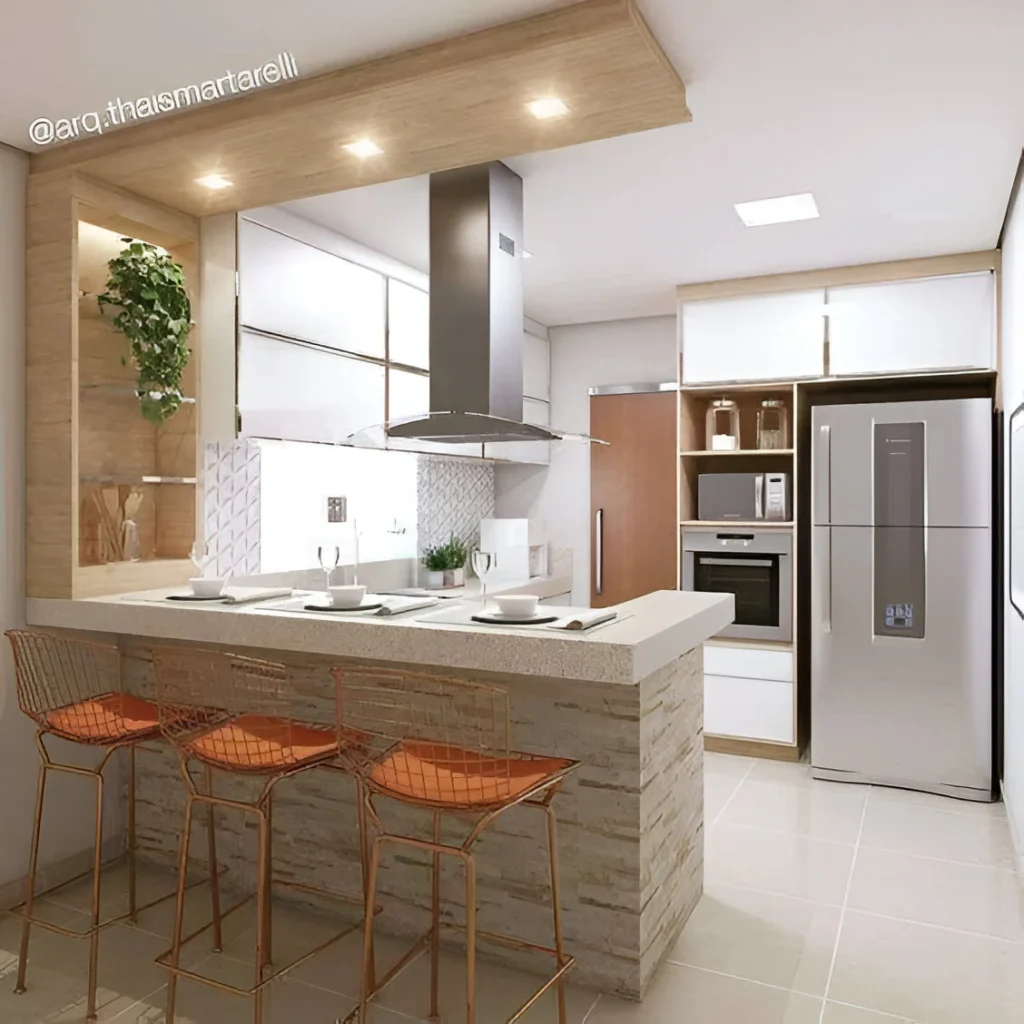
(625, 698)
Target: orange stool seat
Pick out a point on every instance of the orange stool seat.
(441, 774)
(261, 743)
(110, 718)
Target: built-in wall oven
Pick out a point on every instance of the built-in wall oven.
(756, 567)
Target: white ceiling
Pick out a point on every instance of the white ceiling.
(905, 119)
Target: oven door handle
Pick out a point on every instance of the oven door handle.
(716, 560)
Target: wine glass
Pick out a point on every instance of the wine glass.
(330, 557)
(200, 557)
(483, 562)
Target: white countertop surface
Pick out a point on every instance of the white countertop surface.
(650, 632)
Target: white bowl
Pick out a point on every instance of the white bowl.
(347, 597)
(517, 606)
(206, 586)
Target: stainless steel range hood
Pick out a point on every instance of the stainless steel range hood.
(476, 311)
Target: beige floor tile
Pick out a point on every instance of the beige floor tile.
(500, 992)
(821, 810)
(795, 773)
(685, 995)
(718, 790)
(928, 974)
(762, 937)
(941, 803)
(58, 974)
(727, 764)
(779, 862)
(934, 829)
(840, 1013)
(962, 896)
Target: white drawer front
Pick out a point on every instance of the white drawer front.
(757, 709)
(749, 663)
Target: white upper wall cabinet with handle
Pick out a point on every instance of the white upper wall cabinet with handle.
(758, 337)
(290, 288)
(937, 323)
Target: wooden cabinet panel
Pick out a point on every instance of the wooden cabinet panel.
(290, 288)
(761, 337)
(938, 323)
(633, 496)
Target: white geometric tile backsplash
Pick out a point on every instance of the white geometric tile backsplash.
(232, 507)
(452, 495)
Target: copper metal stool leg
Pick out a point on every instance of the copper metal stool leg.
(268, 934)
(470, 863)
(179, 909)
(371, 899)
(26, 924)
(556, 906)
(262, 911)
(97, 865)
(435, 935)
(132, 911)
(211, 838)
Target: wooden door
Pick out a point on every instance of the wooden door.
(632, 496)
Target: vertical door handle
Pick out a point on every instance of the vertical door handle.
(759, 496)
(821, 514)
(826, 584)
(599, 551)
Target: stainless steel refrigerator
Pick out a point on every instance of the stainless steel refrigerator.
(901, 595)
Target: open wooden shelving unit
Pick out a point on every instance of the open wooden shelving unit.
(695, 459)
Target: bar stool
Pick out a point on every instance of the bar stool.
(236, 715)
(71, 689)
(443, 744)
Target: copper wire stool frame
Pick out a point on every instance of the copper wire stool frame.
(69, 688)
(234, 714)
(443, 744)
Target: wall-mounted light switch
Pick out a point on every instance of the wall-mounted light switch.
(337, 510)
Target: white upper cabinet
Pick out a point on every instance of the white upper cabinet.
(937, 323)
(760, 337)
(408, 325)
(299, 393)
(536, 368)
(290, 288)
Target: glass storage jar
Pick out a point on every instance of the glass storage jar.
(772, 424)
(722, 426)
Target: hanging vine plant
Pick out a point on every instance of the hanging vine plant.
(155, 317)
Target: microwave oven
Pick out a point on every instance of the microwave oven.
(744, 496)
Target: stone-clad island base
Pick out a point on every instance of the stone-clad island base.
(631, 839)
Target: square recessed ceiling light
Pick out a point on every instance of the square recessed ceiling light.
(549, 106)
(364, 147)
(213, 181)
(778, 210)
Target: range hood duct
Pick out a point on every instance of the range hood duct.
(476, 311)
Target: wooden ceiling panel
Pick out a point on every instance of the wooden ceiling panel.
(449, 104)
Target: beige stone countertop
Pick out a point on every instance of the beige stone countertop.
(651, 632)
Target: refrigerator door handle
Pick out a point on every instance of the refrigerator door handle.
(822, 511)
(826, 585)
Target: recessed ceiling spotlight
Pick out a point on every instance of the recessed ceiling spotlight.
(214, 181)
(364, 148)
(549, 106)
(527, 255)
(778, 210)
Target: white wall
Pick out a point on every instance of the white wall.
(1013, 395)
(583, 356)
(18, 761)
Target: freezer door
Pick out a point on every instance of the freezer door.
(902, 464)
(906, 700)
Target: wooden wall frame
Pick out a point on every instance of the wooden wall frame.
(57, 201)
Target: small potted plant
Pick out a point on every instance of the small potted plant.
(445, 563)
